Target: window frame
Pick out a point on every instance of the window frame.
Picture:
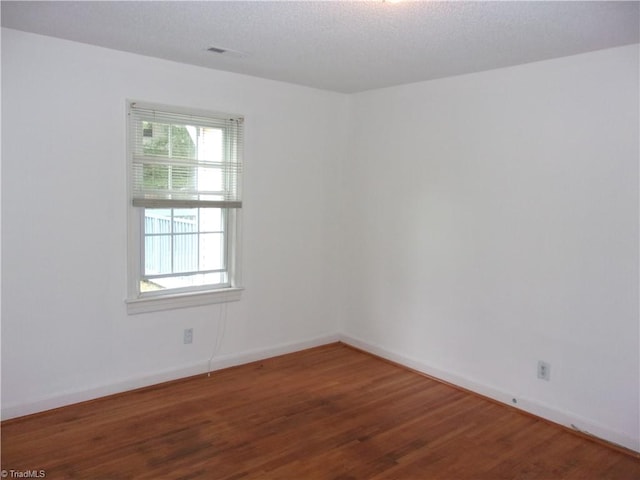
(141, 302)
(226, 213)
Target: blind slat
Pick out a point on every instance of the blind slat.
(177, 203)
(179, 159)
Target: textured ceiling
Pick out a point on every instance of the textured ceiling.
(338, 45)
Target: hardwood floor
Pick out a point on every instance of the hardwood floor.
(327, 413)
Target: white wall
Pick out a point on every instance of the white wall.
(467, 227)
(65, 332)
(495, 224)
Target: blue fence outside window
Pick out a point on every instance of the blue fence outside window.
(160, 258)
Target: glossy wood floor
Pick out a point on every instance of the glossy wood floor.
(328, 413)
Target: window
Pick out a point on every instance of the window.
(184, 184)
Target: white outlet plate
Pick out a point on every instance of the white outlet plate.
(188, 335)
(544, 370)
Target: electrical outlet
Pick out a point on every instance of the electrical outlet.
(544, 371)
(188, 335)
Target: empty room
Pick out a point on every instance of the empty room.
(320, 240)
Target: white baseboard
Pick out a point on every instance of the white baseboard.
(547, 412)
(97, 391)
(536, 408)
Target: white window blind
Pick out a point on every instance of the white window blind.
(184, 160)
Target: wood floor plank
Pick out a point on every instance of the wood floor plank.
(330, 412)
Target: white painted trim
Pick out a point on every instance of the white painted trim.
(182, 300)
(534, 407)
(201, 367)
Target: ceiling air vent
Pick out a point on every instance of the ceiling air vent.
(226, 52)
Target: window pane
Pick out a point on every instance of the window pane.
(183, 178)
(157, 255)
(157, 220)
(210, 144)
(185, 220)
(149, 286)
(173, 141)
(183, 240)
(211, 251)
(185, 253)
(155, 139)
(210, 180)
(211, 220)
(183, 141)
(195, 280)
(156, 176)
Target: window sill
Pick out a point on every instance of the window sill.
(182, 300)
